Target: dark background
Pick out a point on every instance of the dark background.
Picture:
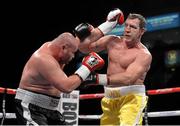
(25, 25)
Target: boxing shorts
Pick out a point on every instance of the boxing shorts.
(37, 109)
(123, 105)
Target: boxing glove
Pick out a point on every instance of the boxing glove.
(82, 31)
(90, 63)
(95, 78)
(114, 17)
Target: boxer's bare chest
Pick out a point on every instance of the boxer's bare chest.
(121, 55)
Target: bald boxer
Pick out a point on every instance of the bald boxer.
(43, 79)
(129, 61)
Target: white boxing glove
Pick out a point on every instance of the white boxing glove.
(114, 17)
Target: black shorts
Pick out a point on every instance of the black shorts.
(30, 113)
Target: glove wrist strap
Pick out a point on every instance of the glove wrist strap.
(102, 79)
(107, 26)
(83, 72)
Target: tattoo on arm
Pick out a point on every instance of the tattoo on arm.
(96, 45)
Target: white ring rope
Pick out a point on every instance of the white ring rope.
(150, 114)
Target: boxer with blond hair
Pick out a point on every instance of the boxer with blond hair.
(128, 63)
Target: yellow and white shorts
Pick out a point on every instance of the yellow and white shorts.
(123, 105)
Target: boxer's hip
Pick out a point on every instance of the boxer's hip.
(115, 92)
(40, 100)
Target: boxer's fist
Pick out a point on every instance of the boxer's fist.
(90, 63)
(116, 15)
(82, 30)
(93, 61)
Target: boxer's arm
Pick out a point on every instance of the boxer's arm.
(102, 43)
(114, 17)
(53, 74)
(85, 30)
(135, 71)
(96, 79)
(97, 46)
(90, 63)
(50, 70)
(90, 37)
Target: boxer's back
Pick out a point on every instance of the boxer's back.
(32, 78)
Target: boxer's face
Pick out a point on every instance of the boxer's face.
(69, 53)
(132, 31)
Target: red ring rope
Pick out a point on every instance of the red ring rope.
(163, 91)
(7, 90)
(100, 95)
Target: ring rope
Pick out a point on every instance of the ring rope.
(100, 95)
(150, 114)
(163, 91)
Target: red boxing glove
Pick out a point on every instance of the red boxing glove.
(116, 14)
(93, 61)
(90, 63)
(121, 18)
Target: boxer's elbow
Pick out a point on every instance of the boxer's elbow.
(67, 88)
(67, 91)
(70, 87)
(64, 87)
(69, 84)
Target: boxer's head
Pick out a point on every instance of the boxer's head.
(142, 20)
(68, 45)
(134, 28)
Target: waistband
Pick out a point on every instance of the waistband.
(115, 92)
(40, 100)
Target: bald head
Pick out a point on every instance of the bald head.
(67, 39)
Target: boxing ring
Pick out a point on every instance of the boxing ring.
(146, 114)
